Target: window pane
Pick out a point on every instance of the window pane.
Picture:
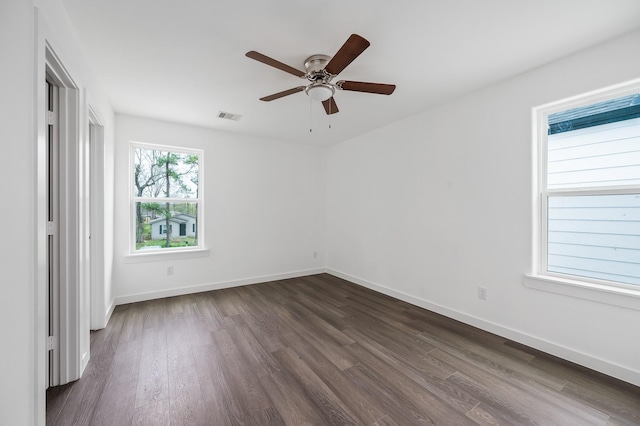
(165, 174)
(606, 155)
(160, 223)
(596, 145)
(595, 236)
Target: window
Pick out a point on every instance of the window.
(589, 188)
(166, 190)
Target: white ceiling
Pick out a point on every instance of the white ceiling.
(184, 61)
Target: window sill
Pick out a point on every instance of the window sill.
(159, 256)
(625, 298)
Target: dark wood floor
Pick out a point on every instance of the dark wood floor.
(319, 350)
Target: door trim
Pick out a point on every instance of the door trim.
(98, 318)
(69, 224)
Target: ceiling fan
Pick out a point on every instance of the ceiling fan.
(321, 69)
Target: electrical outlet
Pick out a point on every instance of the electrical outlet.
(482, 293)
(169, 270)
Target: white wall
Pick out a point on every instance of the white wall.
(430, 208)
(264, 211)
(61, 36)
(17, 307)
(22, 390)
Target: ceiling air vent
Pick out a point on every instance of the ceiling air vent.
(229, 116)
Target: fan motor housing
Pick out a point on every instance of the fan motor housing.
(314, 65)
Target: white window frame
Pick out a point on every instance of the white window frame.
(619, 294)
(173, 252)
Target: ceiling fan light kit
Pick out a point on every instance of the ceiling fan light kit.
(321, 69)
(320, 91)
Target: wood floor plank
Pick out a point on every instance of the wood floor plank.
(257, 324)
(363, 407)
(253, 402)
(320, 326)
(609, 395)
(393, 316)
(318, 391)
(153, 414)
(495, 404)
(402, 411)
(199, 332)
(420, 363)
(117, 406)
(117, 403)
(482, 416)
(319, 350)
(257, 357)
(331, 314)
(227, 304)
(438, 407)
(407, 345)
(333, 352)
(537, 383)
(133, 327)
(186, 406)
(621, 406)
(294, 407)
(213, 387)
(56, 402)
(87, 393)
(179, 353)
(155, 311)
(431, 379)
(473, 334)
(153, 377)
(489, 357)
(334, 286)
(517, 397)
(386, 421)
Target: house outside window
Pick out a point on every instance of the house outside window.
(589, 188)
(166, 198)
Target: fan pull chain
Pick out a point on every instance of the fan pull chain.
(310, 102)
(330, 105)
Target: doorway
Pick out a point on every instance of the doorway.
(66, 331)
(53, 245)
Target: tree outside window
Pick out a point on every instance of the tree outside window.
(165, 192)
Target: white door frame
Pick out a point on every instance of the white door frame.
(53, 217)
(96, 213)
(68, 226)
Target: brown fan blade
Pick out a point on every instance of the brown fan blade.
(360, 86)
(350, 50)
(282, 94)
(276, 64)
(330, 106)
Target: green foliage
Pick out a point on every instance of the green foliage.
(174, 242)
(162, 173)
(159, 174)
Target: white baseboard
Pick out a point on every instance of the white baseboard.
(140, 297)
(586, 360)
(106, 319)
(112, 306)
(84, 361)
